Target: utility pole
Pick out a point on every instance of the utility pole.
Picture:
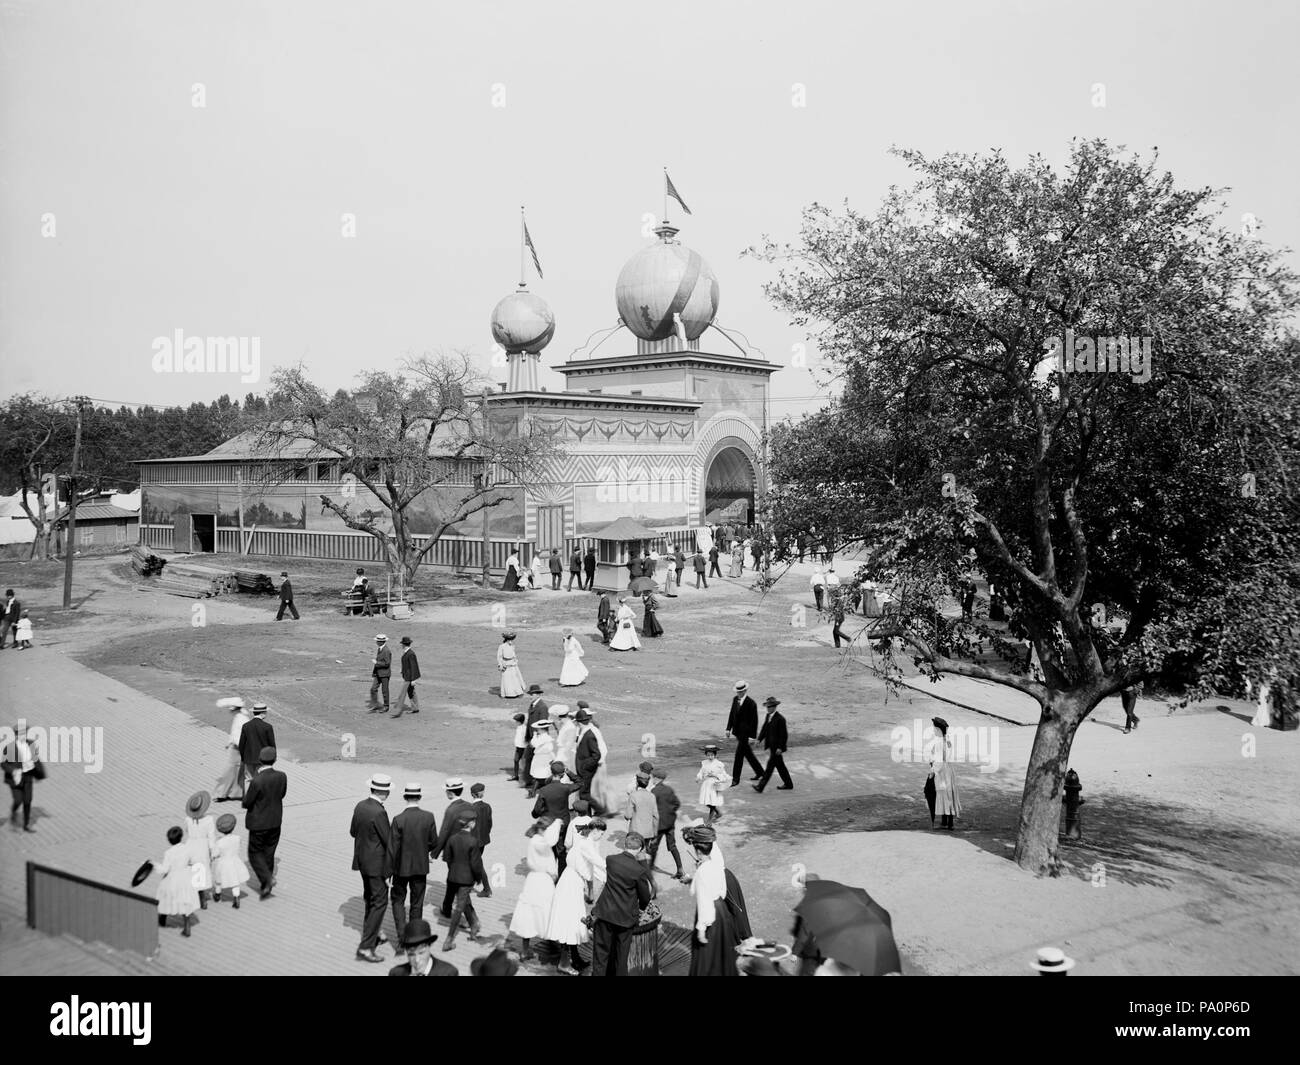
(70, 539)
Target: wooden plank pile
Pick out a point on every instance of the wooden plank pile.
(145, 562)
(182, 577)
(255, 583)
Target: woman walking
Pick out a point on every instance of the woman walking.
(650, 622)
(584, 867)
(737, 561)
(512, 681)
(533, 910)
(573, 672)
(947, 804)
(712, 778)
(625, 637)
(201, 839)
(511, 583)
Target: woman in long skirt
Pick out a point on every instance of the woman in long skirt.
(737, 561)
(947, 804)
(583, 868)
(712, 778)
(650, 623)
(511, 583)
(625, 637)
(533, 910)
(201, 840)
(543, 754)
(512, 681)
(573, 672)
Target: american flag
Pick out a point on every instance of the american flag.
(672, 191)
(537, 264)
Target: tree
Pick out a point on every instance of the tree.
(960, 442)
(35, 444)
(415, 435)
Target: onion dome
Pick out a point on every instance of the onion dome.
(662, 280)
(523, 322)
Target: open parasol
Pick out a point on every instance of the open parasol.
(849, 926)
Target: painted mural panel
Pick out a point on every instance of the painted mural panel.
(655, 506)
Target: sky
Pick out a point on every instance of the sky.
(127, 212)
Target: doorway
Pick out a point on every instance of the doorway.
(203, 532)
(550, 529)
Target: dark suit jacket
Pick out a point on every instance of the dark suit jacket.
(14, 612)
(589, 562)
(535, 713)
(440, 968)
(370, 832)
(449, 823)
(679, 560)
(256, 734)
(464, 860)
(555, 565)
(286, 591)
(264, 799)
(413, 835)
(635, 568)
(588, 756)
(604, 610)
(628, 890)
(553, 801)
(410, 667)
(575, 562)
(383, 663)
(699, 562)
(713, 553)
(669, 804)
(483, 826)
(742, 722)
(773, 735)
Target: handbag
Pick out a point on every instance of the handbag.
(38, 770)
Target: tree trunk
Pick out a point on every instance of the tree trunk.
(1040, 806)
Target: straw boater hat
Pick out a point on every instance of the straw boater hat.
(1052, 960)
(197, 804)
(453, 784)
(381, 638)
(710, 747)
(412, 791)
(543, 723)
(741, 686)
(259, 709)
(381, 782)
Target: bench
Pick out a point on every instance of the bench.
(354, 603)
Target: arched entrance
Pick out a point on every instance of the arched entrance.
(729, 485)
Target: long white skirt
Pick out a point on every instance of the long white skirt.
(573, 672)
(512, 683)
(625, 637)
(568, 908)
(533, 910)
(946, 800)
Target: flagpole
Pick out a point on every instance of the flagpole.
(665, 221)
(522, 279)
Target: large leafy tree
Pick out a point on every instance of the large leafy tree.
(419, 435)
(1164, 497)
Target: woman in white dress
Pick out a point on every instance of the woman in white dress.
(533, 910)
(566, 738)
(543, 754)
(737, 561)
(200, 839)
(583, 867)
(573, 672)
(712, 778)
(947, 804)
(537, 573)
(625, 637)
(512, 681)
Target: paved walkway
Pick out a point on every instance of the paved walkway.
(104, 824)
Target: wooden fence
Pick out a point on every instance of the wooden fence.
(60, 903)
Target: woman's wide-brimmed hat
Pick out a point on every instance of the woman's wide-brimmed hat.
(142, 874)
(499, 963)
(507, 636)
(226, 824)
(197, 804)
(939, 723)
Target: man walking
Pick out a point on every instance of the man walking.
(698, 562)
(668, 804)
(264, 801)
(456, 808)
(557, 568)
(482, 826)
(538, 710)
(713, 563)
(589, 568)
(603, 612)
(234, 774)
(775, 737)
(575, 570)
(553, 802)
(256, 735)
(679, 564)
(838, 612)
(20, 762)
(742, 722)
(413, 835)
(629, 887)
(371, 857)
(12, 611)
(587, 760)
(464, 870)
(410, 666)
(286, 598)
(381, 671)
(817, 582)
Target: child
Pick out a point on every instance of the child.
(228, 870)
(24, 632)
(177, 893)
(521, 730)
(200, 838)
(711, 776)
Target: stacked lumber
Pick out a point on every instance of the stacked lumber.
(178, 584)
(144, 562)
(218, 581)
(248, 580)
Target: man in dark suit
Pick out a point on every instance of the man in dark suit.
(410, 666)
(774, 737)
(9, 615)
(264, 801)
(587, 760)
(603, 612)
(713, 562)
(417, 940)
(698, 563)
(370, 856)
(556, 567)
(575, 570)
(381, 671)
(538, 710)
(629, 887)
(553, 804)
(464, 870)
(286, 598)
(589, 569)
(742, 722)
(414, 834)
(635, 568)
(257, 735)
(482, 811)
(456, 807)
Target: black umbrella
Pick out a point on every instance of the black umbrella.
(930, 795)
(641, 585)
(142, 874)
(850, 927)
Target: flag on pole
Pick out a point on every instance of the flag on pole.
(528, 240)
(671, 191)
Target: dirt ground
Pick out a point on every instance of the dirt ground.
(1190, 848)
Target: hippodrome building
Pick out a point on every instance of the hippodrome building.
(661, 421)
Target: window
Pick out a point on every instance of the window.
(323, 471)
(300, 473)
(635, 392)
(119, 533)
(86, 535)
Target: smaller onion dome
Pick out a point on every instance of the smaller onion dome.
(523, 322)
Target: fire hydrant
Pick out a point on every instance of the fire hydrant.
(1073, 822)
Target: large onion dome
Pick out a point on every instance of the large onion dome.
(662, 280)
(523, 322)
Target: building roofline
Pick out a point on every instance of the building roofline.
(594, 399)
(621, 362)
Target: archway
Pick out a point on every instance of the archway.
(729, 486)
